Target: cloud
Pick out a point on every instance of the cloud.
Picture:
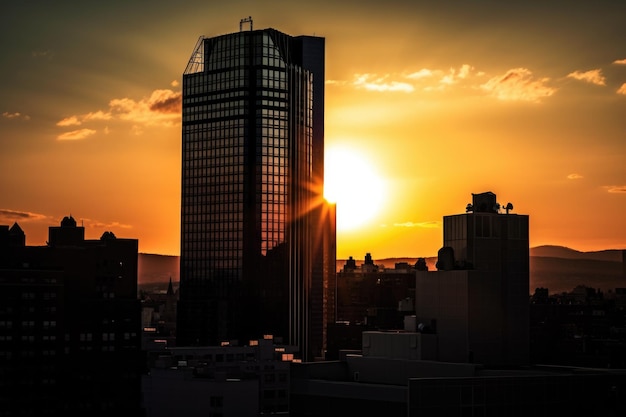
(15, 115)
(96, 224)
(518, 84)
(443, 79)
(69, 121)
(425, 79)
(137, 130)
(454, 76)
(616, 189)
(162, 108)
(620, 61)
(98, 115)
(165, 101)
(427, 225)
(78, 120)
(372, 82)
(592, 76)
(76, 134)
(423, 73)
(622, 89)
(14, 215)
(175, 83)
(574, 177)
(48, 54)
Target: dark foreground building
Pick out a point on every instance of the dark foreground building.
(477, 301)
(69, 324)
(257, 239)
(392, 378)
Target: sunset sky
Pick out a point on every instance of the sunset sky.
(427, 102)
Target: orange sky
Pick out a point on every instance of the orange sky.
(438, 99)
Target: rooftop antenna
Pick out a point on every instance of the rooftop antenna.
(245, 20)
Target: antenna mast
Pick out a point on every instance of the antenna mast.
(245, 20)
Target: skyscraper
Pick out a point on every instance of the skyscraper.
(257, 239)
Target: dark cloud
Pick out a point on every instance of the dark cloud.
(166, 101)
(20, 215)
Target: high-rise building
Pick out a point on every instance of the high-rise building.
(257, 238)
(477, 301)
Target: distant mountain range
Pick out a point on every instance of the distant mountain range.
(557, 268)
(152, 268)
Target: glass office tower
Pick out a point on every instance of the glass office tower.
(255, 239)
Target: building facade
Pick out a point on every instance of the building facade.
(477, 301)
(69, 324)
(394, 377)
(226, 380)
(257, 238)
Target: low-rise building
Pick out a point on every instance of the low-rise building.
(387, 380)
(231, 380)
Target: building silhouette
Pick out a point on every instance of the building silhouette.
(370, 297)
(158, 317)
(69, 324)
(477, 301)
(225, 380)
(257, 238)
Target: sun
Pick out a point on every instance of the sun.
(351, 181)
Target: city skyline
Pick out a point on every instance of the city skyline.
(437, 100)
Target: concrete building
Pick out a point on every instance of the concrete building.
(390, 379)
(256, 234)
(227, 380)
(69, 324)
(477, 301)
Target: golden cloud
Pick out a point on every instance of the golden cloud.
(518, 84)
(15, 115)
(423, 73)
(98, 115)
(574, 176)
(592, 76)
(616, 189)
(96, 224)
(69, 121)
(371, 82)
(454, 76)
(76, 134)
(408, 82)
(622, 89)
(162, 108)
(78, 120)
(620, 61)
